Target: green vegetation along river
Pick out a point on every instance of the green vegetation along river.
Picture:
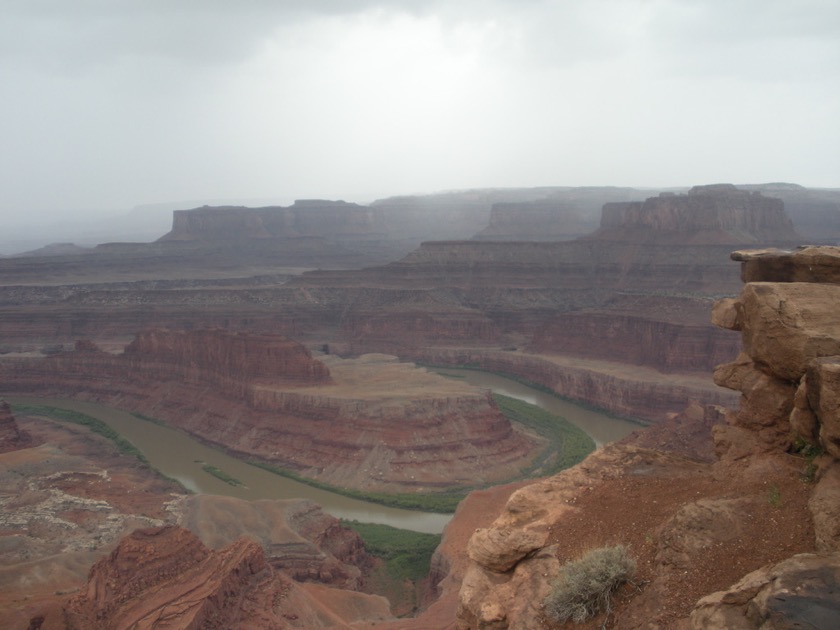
(204, 469)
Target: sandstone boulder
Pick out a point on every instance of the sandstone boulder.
(823, 392)
(800, 592)
(785, 325)
(804, 264)
(825, 508)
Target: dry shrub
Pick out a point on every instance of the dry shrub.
(585, 586)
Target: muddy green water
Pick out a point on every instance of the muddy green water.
(179, 456)
(602, 428)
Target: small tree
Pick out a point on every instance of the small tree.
(585, 586)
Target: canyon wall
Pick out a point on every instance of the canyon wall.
(716, 214)
(167, 576)
(638, 393)
(11, 437)
(725, 543)
(608, 297)
(666, 334)
(371, 423)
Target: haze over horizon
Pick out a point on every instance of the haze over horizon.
(115, 105)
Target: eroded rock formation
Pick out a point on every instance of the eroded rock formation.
(716, 214)
(165, 577)
(754, 512)
(11, 437)
(370, 423)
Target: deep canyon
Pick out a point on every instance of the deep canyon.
(300, 337)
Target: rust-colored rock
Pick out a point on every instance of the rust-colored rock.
(165, 577)
(800, 592)
(371, 423)
(698, 526)
(11, 437)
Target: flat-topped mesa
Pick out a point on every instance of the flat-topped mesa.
(370, 423)
(222, 357)
(305, 218)
(716, 214)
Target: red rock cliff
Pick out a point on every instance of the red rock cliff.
(378, 425)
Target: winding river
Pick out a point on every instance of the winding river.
(181, 457)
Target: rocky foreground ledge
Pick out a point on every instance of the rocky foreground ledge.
(752, 535)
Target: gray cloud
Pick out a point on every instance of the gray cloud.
(112, 103)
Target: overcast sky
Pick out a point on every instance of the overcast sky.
(108, 104)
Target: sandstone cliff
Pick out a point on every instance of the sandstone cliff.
(370, 423)
(165, 577)
(764, 509)
(717, 214)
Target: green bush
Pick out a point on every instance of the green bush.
(407, 554)
(585, 586)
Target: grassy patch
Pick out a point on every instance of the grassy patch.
(75, 417)
(123, 445)
(568, 444)
(218, 473)
(407, 554)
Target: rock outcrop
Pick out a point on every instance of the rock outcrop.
(296, 535)
(370, 423)
(800, 592)
(166, 577)
(766, 502)
(11, 437)
(716, 214)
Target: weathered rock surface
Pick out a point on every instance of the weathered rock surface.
(11, 437)
(716, 214)
(695, 527)
(371, 423)
(165, 577)
(800, 592)
(296, 535)
(68, 502)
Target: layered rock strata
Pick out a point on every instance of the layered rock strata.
(751, 517)
(606, 297)
(11, 437)
(716, 214)
(370, 423)
(165, 577)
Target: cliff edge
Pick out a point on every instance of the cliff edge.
(735, 531)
